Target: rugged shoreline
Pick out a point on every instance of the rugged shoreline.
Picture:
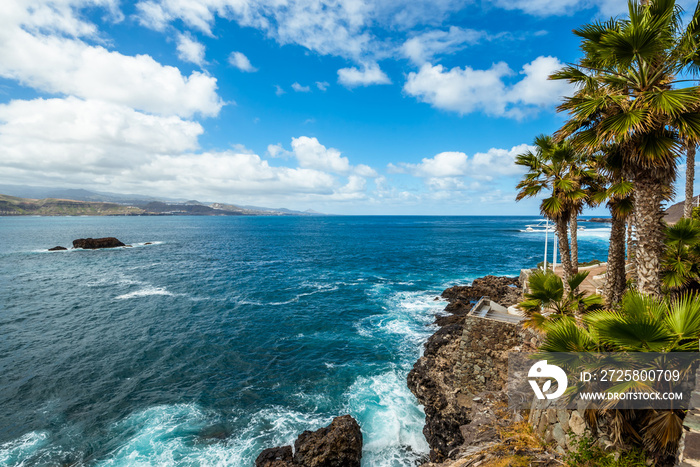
(460, 378)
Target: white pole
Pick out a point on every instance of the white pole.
(554, 254)
(546, 240)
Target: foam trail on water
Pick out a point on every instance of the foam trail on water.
(145, 292)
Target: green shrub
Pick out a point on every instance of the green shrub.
(589, 454)
(696, 213)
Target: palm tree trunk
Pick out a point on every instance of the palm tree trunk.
(689, 180)
(648, 195)
(564, 253)
(573, 225)
(615, 280)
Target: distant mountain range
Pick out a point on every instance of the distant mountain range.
(46, 201)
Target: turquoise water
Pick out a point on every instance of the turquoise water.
(228, 335)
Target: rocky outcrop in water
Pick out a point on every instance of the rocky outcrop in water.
(463, 366)
(95, 243)
(58, 248)
(337, 445)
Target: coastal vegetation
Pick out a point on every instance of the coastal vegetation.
(629, 94)
(633, 115)
(642, 323)
(547, 292)
(556, 166)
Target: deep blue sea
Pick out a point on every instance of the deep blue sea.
(228, 335)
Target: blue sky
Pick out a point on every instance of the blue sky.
(343, 106)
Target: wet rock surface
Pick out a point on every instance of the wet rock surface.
(337, 445)
(58, 248)
(95, 243)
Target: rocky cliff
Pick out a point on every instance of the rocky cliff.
(461, 377)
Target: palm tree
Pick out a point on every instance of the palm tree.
(631, 99)
(689, 180)
(548, 301)
(591, 183)
(554, 166)
(619, 201)
(681, 265)
(643, 323)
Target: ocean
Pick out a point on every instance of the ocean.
(229, 335)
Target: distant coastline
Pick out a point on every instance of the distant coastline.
(16, 206)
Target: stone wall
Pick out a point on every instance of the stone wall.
(484, 348)
(557, 425)
(689, 446)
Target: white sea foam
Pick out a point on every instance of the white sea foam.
(596, 233)
(148, 243)
(145, 292)
(391, 420)
(119, 280)
(407, 314)
(16, 452)
(163, 436)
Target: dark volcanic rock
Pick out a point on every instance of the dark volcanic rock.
(95, 243)
(435, 378)
(58, 248)
(504, 290)
(275, 457)
(337, 445)
(605, 220)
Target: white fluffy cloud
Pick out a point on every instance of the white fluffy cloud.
(497, 162)
(33, 54)
(312, 154)
(445, 164)
(299, 88)
(370, 74)
(543, 7)
(101, 145)
(325, 27)
(72, 136)
(189, 50)
(465, 90)
(566, 7)
(461, 90)
(241, 62)
(456, 171)
(328, 27)
(423, 47)
(234, 173)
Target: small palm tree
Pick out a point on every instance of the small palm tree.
(643, 323)
(557, 167)
(681, 264)
(548, 301)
